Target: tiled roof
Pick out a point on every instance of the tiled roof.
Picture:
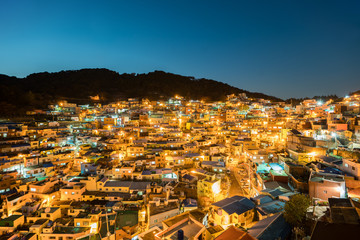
(235, 204)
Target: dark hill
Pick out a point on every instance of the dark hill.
(355, 93)
(39, 89)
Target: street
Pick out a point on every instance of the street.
(239, 180)
(235, 188)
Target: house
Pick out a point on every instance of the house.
(351, 167)
(274, 227)
(270, 208)
(212, 232)
(124, 186)
(11, 223)
(324, 186)
(15, 201)
(38, 226)
(88, 169)
(50, 213)
(209, 189)
(214, 166)
(52, 232)
(235, 210)
(189, 204)
(182, 228)
(135, 151)
(162, 209)
(72, 192)
(342, 210)
(44, 186)
(234, 233)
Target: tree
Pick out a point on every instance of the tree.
(295, 209)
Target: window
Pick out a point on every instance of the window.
(73, 193)
(65, 192)
(78, 224)
(353, 168)
(346, 165)
(325, 191)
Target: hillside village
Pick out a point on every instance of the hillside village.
(180, 169)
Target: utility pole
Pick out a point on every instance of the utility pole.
(107, 225)
(249, 180)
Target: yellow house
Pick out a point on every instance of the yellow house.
(85, 219)
(11, 223)
(135, 151)
(109, 121)
(209, 189)
(72, 192)
(235, 210)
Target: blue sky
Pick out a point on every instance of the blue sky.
(282, 48)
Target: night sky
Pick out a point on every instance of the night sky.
(282, 48)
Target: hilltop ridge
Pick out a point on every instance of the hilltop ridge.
(37, 90)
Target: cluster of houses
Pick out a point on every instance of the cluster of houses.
(179, 169)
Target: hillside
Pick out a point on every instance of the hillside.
(355, 93)
(39, 89)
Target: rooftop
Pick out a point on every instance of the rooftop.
(235, 204)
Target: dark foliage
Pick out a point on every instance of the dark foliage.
(295, 209)
(40, 89)
(355, 93)
(297, 101)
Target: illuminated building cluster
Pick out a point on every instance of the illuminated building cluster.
(176, 169)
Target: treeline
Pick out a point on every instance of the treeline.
(40, 89)
(325, 98)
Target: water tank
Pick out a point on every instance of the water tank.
(180, 235)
